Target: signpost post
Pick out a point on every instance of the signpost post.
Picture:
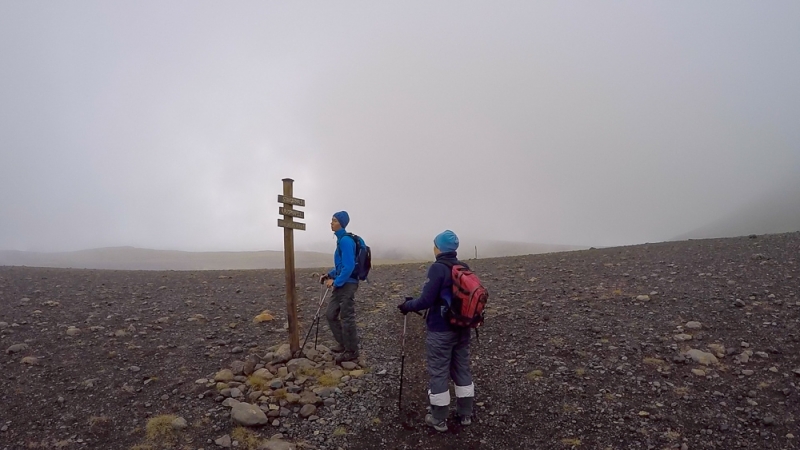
(289, 225)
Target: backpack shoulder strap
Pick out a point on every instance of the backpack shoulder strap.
(356, 240)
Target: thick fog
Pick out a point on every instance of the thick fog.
(170, 125)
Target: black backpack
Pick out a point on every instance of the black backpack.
(363, 258)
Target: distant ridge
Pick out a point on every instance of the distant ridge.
(132, 258)
(776, 212)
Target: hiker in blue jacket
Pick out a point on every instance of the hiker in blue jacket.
(341, 313)
(447, 346)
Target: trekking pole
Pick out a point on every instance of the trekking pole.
(316, 319)
(319, 317)
(402, 362)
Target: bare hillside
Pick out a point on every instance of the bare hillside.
(678, 345)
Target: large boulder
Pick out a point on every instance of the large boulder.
(248, 415)
(702, 357)
(296, 365)
(282, 354)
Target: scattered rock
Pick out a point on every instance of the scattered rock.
(16, 348)
(699, 372)
(237, 367)
(694, 325)
(30, 360)
(282, 354)
(349, 365)
(308, 410)
(72, 331)
(248, 415)
(717, 349)
(276, 444)
(309, 398)
(296, 365)
(224, 441)
(682, 337)
(179, 423)
(249, 367)
(224, 376)
(744, 357)
(702, 357)
(263, 373)
(642, 298)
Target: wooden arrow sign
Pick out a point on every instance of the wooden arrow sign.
(292, 225)
(287, 200)
(291, 212)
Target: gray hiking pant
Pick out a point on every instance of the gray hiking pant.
(448, 358)
(341, 315)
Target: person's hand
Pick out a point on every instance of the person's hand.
(402, 306)
(323, 278)
(329, 282)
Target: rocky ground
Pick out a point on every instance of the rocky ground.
(684, 345)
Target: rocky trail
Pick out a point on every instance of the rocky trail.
(679, 345)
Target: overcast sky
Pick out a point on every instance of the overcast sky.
(167, 124)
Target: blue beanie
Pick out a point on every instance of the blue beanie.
(343, 218)
(446, 241)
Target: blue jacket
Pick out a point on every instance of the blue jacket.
(344, 260)
(437, 293)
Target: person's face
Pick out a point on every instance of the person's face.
(335, 225)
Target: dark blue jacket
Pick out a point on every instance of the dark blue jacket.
(436, 293)
(344, 260)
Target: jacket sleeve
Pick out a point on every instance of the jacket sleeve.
(347, 246)
(430, 291)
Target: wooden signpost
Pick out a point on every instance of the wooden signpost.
(289, 225)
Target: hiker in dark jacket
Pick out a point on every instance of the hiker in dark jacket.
(341, 313)
(447, 347)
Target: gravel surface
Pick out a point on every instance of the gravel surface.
(679, 345)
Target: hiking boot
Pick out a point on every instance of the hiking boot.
(337, 348)
(440, 426)
(465, 421)
(346, 356)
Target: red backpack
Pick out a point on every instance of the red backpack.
(469, 298)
